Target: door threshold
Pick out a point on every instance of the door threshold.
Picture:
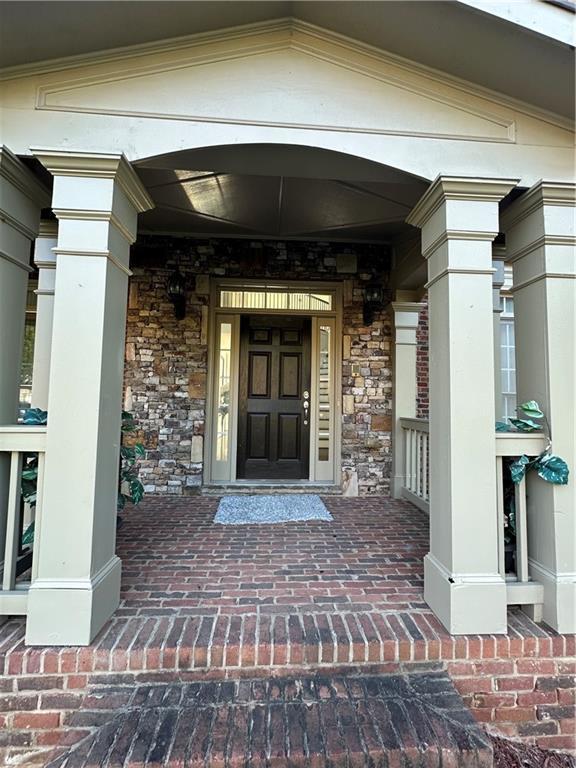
(267, 486)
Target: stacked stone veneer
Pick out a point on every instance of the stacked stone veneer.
(167, 359)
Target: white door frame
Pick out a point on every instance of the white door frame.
(324, 472)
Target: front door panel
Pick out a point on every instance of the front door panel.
(274, 424)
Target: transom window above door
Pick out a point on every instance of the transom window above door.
(274, 298)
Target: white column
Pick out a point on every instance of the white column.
(541, 244)
(405, 314)
(498, 256)
(21, 199)
(96, 199)
(45, 260)
(459, 220)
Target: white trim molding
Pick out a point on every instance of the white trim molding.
(295, 32)
(458, 188)
(561, 193)
(97, 165)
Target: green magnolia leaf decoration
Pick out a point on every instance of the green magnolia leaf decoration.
(139, 450)
(136, 491)
(501, 426)
(552, 468)
(28, 535)
(35, 416)
(525, 425)
(128, 452)
(531, 409)
(518, 468)
(128, 423)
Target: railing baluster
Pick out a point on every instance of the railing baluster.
(521, 532)
(415, 472)
(12, 522)
(407, 434)
(418, 463)
(425, 466)
(38, 513)
(413, 461)
(500, 514)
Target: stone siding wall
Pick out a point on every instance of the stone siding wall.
(167, 359)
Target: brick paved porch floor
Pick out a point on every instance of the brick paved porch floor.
(203, 601)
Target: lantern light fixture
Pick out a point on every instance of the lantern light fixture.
(376, 297)
(176, 290)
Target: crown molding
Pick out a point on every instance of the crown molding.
(302, 38)
(16, 173)
(97, 165)
(458, 188)
(554, 193)
(168, 45)
(407, 306)
(290, 26)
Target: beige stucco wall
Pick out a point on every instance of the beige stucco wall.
(283, 82)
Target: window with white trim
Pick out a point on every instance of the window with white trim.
(507, 358)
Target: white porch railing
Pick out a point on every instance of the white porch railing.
(519, 587)
(17, 441)
(416, 478)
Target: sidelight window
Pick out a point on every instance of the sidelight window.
(223, 393)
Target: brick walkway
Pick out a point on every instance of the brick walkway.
(218, 602)
(176, 562)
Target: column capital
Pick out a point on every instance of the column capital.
(98, 166)
(48, 228)
(498, 276)
(498, 252)
(405, 316)
(19, 176)
(543, 193)
(44, 256)
(461, 188)
(540, 228)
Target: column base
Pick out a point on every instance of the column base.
(72, 612)
(559, 610)
(396, 486)
(465, 604)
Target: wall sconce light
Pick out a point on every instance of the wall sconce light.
(376, 297)
(176, 290)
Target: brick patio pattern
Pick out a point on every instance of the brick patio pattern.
(203, 601)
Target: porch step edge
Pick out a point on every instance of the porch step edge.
(413, 720)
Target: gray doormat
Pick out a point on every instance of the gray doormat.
(280, 508)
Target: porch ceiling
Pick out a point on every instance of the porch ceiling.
(277, 191)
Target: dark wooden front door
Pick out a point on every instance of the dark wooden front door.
(274, 424)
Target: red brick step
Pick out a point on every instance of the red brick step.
(396, 721)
